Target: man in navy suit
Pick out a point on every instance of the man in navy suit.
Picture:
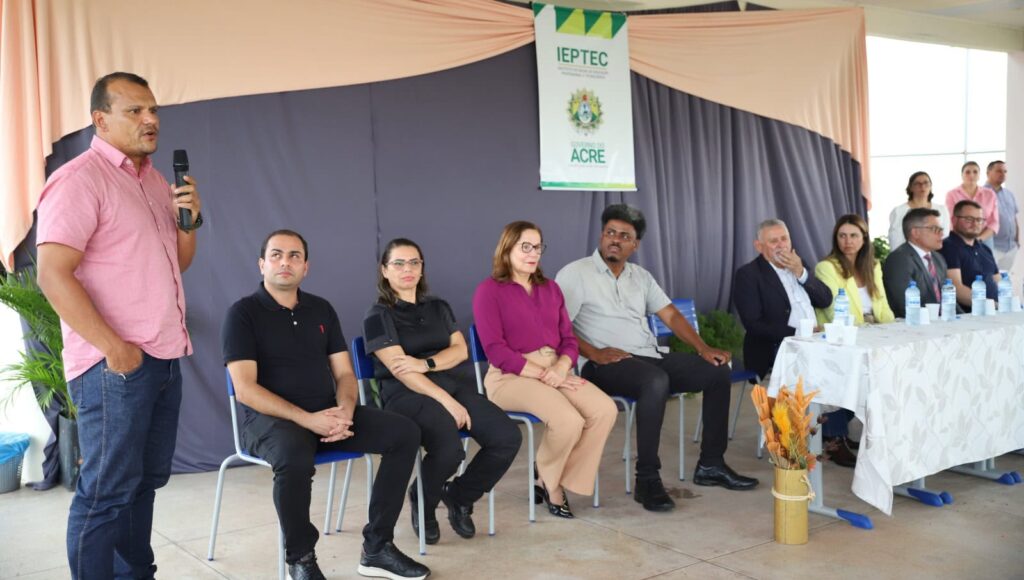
(773, 294)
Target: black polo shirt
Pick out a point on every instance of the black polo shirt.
(290, 347)
(422, 329)
(971, 261)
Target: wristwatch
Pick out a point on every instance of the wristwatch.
(431, 365)
(195, 224)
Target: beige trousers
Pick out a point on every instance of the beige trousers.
(577, 422)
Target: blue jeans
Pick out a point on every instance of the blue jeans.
(127, 427)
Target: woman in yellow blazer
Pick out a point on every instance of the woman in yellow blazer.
(853, 267)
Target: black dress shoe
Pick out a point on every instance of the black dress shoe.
(837, 451)
(722, 475)
(305, 568)
(390, 562)
(432, 533)
(459, 516)
(651, 493)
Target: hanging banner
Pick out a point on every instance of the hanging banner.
(586, 108)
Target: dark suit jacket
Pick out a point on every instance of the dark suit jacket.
(904, 265)
(764, 309)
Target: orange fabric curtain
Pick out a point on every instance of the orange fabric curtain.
(802, 67)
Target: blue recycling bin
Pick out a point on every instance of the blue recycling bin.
(12, 455)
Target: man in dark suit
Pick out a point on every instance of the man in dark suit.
(773, 294)
(917, 259)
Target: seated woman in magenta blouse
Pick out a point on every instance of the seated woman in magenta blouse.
(417, 346)
(528, 338)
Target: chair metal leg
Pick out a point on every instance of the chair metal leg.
(419, 503)
(490, 513)
(217, 494)
(682, 438)
(465, 452)
(760, 443)
(597, 489)
(344, 495)
(700, 423)
(330, 499)
(529, 470)
(369, 483)
(736, 413)
(280, 554)
(630, 420)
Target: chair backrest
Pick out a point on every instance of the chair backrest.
(234, 411)
(478, 356)
(362, 365)
(686, 307)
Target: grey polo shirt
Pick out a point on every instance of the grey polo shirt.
(608, 311)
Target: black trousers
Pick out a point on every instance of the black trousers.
(290, 450)
(650, 381)
(498, 436)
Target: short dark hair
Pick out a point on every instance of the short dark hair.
(993, 164)
(292, 233)
(100, 100)
(965, 203)
(915, 218)
(624, 213)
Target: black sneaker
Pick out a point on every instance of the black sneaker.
(460, 516)
(305, 568)
(390, 562)
(651, 493)
(432, 533)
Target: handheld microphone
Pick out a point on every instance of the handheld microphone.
(180, 171)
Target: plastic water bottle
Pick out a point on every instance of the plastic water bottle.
(841, 307)
(912, 299)
(1005, 293)
(978, 295)
(948, 301)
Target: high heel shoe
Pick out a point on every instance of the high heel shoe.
(563, 510)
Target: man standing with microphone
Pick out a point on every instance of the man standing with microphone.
(111, 251)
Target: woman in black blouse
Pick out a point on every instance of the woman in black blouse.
(417, 345)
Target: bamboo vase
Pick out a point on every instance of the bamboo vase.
(791, 509)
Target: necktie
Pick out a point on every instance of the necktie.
(933, 275)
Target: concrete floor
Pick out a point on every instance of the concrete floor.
(713, 533)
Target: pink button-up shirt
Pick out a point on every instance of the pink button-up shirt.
(984, 197)
(122, 222)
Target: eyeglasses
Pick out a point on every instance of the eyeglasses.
(415, 264)
(621, 236)
(970, 220)
(527, 247)
(932, 229)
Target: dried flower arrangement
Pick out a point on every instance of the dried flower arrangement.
(786, 425)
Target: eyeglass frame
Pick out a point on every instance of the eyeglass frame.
(969, 219)
(528, 248)
(617, 235)
(400, 265)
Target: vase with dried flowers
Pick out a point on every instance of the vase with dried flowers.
(787, 428)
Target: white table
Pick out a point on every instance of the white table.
(930, 397)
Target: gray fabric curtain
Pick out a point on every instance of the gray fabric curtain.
(447, 159)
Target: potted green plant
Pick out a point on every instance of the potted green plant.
(882, 249)
(42, 367)
(718, 329)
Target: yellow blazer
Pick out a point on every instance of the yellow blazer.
(828, 271)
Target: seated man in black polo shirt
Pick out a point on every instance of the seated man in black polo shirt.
(966, 257)
(286, 354)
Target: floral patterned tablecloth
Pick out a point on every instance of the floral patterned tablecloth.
(930, 397)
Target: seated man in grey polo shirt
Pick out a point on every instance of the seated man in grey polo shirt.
(608, 300)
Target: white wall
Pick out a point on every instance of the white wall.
(1015, 141)
(23, 414)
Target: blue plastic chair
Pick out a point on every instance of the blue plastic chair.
(364, 373)
(687, 308)
(479, 358)
(322, 457)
